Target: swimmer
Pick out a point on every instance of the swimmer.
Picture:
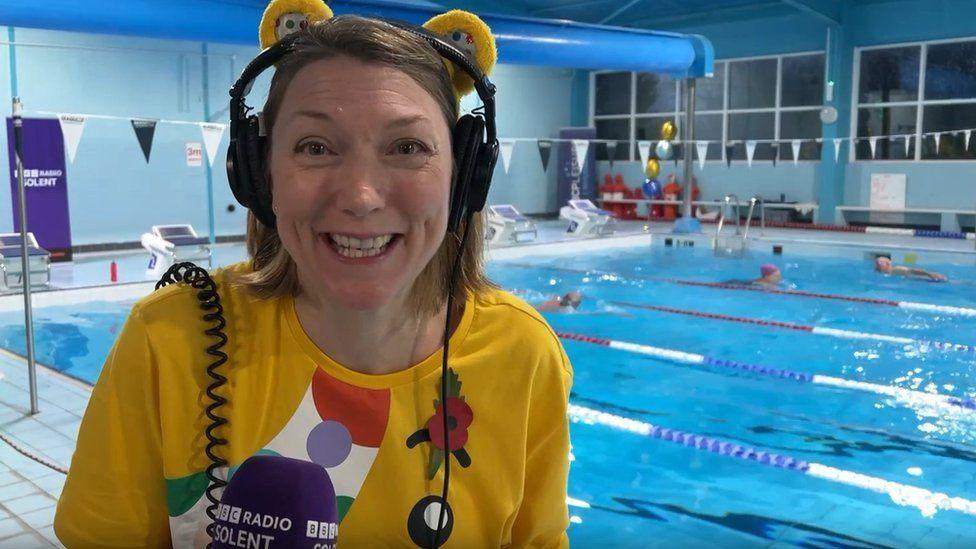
(883, 264)
(568, 302)
(769, 276)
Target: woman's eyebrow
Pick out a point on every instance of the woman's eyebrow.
(400, 122)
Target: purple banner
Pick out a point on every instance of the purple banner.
(568, 171)
(46, 185)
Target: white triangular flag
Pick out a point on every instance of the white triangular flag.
(702, 147)
(507, 146)
(837, 143)
(72, 125)
(908, 143)
(938, 137)
(644, 147)
(212, 133)
(967, 134)
(582, 146)
(873, 141)
(796, 150)
(750, 150)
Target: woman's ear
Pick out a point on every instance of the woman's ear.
(468, 33)
(283, 17)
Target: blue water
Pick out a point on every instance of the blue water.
(645, 492)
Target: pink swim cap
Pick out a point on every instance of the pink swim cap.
(768, 269)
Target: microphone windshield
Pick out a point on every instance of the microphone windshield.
(274, 501)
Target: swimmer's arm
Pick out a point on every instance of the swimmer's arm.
(921, 272)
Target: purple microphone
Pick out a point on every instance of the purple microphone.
(274, 501)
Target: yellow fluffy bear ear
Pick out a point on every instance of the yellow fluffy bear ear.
(283, 17)
(468, 33)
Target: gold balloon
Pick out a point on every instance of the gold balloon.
(652, 169)
(668, 131)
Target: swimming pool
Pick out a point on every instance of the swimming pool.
(722, 445)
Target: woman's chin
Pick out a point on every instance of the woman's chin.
(363, 298)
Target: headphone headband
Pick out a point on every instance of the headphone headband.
(245, 162)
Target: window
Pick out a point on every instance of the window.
(770, 98)
(656, 93)
(613, 93)
(614, 129)
(752, 84)
(803, 81)
(912, 91)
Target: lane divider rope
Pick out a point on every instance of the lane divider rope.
(926, 501)
(832, 332)
(909, 305)
(908, 397)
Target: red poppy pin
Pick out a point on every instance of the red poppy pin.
(459, 418)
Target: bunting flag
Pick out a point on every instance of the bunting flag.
(145, 129)
(582, 147)
(967, 134)
(644, 149)
(775, 146)
(873, 141)
(72, 126)
(750, 150)
(938, 137)
(795, 144)
(212, 134)
(729, 147)
(702, 147)
(545, 149)
(837, 143)
(611, 153)
(506, 146)
(908, 143)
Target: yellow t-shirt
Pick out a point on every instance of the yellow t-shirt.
(137, 477)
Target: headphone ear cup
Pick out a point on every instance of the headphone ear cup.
(467, 141)
(481, 180)
(254, 181)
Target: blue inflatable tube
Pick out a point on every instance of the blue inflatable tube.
(525, 41)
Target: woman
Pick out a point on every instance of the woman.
(335, 330)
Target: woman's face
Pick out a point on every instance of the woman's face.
(361, 171)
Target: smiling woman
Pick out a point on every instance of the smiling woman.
(336, 371)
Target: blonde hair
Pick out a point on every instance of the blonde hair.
(274, 272)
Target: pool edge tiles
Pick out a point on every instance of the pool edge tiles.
(74, 296)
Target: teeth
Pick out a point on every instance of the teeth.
(350, 246)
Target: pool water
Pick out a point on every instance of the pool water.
(631, 490)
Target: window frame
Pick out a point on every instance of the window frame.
(919, 103)
(725, 111)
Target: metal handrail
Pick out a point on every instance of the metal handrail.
(728, 201)
(752, 206)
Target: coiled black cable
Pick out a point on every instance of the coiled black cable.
(209, 299)
(447, 346)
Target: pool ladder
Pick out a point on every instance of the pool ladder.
(737, 244)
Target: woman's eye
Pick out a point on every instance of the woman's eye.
(312, 148)
(410, 148)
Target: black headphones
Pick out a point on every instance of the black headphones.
(474, 139)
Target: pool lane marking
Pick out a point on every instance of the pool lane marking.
(908, 396)
(926, 501)
(908, 305)
(832, 332)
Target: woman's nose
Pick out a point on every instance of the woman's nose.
(361, 194)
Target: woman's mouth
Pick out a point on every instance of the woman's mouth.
(350, 247)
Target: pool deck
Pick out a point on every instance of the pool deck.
(29, 491)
